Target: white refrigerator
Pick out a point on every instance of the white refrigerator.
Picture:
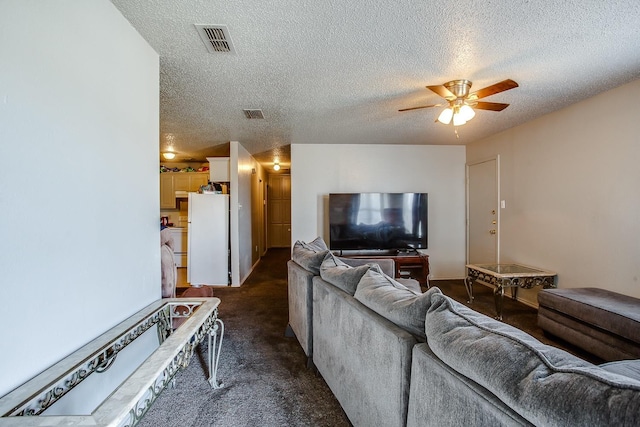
(208, 239)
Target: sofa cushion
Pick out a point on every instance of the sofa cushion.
(394, 301)
(545, 385)
(335, 271)
(310, 255)
(628, 368)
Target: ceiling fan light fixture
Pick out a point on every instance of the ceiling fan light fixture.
(458, 119)
(467, 113)
(456, 93)
(446, 115)
(169, 155)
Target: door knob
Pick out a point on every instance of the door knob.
(492, 231)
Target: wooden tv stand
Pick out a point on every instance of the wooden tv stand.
(413, 265)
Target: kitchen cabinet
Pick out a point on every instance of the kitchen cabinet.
(189, 181)
(170, 182)
(197, 180)
(167, 193)
(181, 181)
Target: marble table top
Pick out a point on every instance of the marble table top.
(119, 407)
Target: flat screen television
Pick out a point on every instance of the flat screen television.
(378, 221)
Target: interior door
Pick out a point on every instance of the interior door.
(483, 215)
(279, 211)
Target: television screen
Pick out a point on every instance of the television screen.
(387, 221)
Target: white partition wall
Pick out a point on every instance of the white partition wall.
(318, 170)
(79, 190)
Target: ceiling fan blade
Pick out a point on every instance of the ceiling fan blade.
(493, 89)
(492, 106)
(422, 106)
(442, 91)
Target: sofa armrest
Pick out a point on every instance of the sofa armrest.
(300, 294)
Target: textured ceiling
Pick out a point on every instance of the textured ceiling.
(336, 72)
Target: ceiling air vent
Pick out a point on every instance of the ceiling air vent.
(253, 114)
(216, 38)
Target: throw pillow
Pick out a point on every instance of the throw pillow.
(544, 384)
(341, 275)
(316, 245)
(394, 301)
(310, 255)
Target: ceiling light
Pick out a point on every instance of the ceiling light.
(169, 155)
(276, 166)
(459, 114)
(458, 120)
(467, 113)
(445, 116)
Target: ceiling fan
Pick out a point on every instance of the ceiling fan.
(461, 103)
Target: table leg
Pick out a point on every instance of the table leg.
(514, 288)
(214, 353)
(498, 295)
(468, 283)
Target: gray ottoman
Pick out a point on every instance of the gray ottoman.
(604, 323)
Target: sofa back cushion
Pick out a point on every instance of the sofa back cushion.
(543, 384)
(310, 255)
(333, 270)
(394, 301)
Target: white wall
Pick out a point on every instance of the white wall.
(570, 180)
(318, 170)
(79, 190)
(242, 164)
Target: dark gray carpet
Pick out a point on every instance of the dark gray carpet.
(264, 373)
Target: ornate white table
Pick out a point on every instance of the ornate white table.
(181, 324)
(503, 276)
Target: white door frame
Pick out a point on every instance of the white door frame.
(497, 189)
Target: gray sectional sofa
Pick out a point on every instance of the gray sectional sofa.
(308, 260)
(394, 356)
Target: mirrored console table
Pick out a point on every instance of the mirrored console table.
(503, 276)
